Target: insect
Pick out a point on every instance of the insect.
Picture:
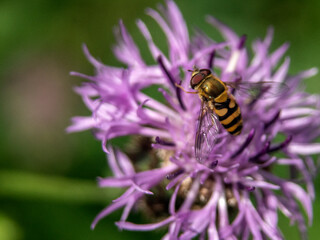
(218, 104)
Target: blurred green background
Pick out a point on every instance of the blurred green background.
(47, 177)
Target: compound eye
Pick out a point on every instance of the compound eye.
(196, 79)
(206, 72)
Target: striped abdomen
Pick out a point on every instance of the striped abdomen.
(229, 115)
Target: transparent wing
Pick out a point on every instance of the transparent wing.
(259, 89)
(207, 133)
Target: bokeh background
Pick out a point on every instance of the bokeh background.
(47, 177)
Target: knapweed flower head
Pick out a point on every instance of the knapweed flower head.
(236, 191)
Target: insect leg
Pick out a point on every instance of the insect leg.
(179, 86)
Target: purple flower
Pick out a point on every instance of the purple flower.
(236, 191)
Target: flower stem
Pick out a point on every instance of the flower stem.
(32, 186)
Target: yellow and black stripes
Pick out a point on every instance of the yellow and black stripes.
(229, 115)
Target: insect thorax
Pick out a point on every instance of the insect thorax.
(213, 87)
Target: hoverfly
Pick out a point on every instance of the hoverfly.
(217, 103)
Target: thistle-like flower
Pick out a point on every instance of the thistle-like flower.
(235, 192)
